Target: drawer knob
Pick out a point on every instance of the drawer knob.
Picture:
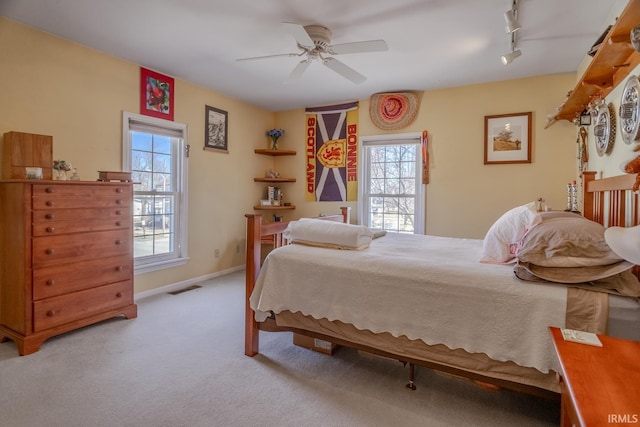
(51, 229)
(119, 295)
(49, 190)
(50, 282)
(49, 203)
(49, 251)
(51, 313)
(118, 190)
(118, 223)
(49, 216)
(118, 201)
(118, 242)
(118, 212)
(119, 268)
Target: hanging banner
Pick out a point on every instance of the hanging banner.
(331, 153)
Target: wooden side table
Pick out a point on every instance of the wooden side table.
(600, 385)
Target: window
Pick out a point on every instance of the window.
(155, 152)
(391, 190)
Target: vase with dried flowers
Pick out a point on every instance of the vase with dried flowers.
(60, 169)
(275, 134)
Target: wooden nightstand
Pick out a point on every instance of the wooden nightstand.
(600, 385)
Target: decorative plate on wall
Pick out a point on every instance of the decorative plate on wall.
(605, 129)
(629, 111)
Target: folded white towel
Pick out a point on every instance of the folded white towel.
(318, 232)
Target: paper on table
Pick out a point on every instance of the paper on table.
(581, 337)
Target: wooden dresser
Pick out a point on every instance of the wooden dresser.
(66, 257)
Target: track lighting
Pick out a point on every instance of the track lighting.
(511, 20)
(509, 57)
(511, 17)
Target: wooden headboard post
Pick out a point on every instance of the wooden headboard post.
(587, 197)
(257, 234)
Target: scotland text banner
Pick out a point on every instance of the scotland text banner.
(331, 153)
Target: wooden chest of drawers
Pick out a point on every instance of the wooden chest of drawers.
(66, 257)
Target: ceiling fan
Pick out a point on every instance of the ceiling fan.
(314, 42)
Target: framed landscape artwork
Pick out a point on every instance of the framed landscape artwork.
(156, 94)
(215, 129)
(507, 138)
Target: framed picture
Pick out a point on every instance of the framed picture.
(507, 138)
(156, 94)
(215, 129)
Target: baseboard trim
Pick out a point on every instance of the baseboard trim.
(178, 285)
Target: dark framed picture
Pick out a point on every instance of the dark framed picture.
(215, 129)
(507, 138)
(156, 94)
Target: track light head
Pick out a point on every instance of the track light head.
(512, 23)
(509, 57)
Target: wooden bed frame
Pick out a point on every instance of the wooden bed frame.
(608, 201)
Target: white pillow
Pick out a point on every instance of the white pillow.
(319, 232)
(502, 240)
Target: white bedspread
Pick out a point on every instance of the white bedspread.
(424, 287)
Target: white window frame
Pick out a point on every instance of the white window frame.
(179, 255)
(363, 195)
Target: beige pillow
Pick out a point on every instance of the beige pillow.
(566, 241)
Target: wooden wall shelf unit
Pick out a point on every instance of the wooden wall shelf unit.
(275, 153)
(611, 64)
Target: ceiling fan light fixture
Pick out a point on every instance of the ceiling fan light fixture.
(509, 57)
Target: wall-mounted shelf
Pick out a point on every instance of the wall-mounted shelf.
(611, 64)
(274, 179)
(273, 208)
(269, 152)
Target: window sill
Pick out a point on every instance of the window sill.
(159, 265)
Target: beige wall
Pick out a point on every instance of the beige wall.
(55, 87)
(464, 195)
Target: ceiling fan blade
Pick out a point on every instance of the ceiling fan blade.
(300, 68)
(269, 56)
(344, 70)
(358, 47)
(300, 34)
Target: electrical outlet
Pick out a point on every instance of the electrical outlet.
(216, 253)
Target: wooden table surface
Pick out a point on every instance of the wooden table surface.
(603, 382)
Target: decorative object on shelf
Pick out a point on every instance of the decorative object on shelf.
(156, 94)
(390, 111)
(605, 129)
(583, 153)
(60, 169)
(507, 138)
(572, 197)
(74, 176)
(114, 176)
(274, 135)
(272, 174)
(215, 129)
(635, 37)
(33, 173)
(629, 110)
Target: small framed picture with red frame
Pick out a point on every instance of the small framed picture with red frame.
(156, 94)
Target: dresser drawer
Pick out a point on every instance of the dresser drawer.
(50, 215)
(62, 279)
(53, 228)
(61, 196)
(51, 250)
(63, 309)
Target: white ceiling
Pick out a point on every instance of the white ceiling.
(432, 43)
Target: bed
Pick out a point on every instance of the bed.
(408, 307)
